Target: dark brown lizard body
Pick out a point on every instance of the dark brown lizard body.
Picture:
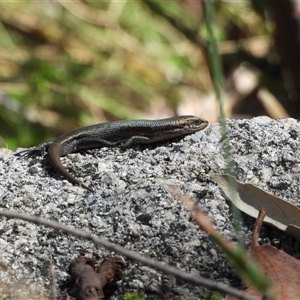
(122, 134)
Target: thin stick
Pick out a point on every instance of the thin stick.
(190, 278)
(257, 226)
(53, 280)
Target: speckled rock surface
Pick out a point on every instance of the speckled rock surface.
(131, 207)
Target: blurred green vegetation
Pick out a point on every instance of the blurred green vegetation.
(70, 64)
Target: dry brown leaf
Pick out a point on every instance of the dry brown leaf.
(242, 261)
(88, 278)
(250, 199)
(282, 270)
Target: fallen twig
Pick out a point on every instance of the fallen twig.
(187, 277)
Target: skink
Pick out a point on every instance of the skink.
(121, 134)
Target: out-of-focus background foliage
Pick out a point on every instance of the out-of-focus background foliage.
(67, 64)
